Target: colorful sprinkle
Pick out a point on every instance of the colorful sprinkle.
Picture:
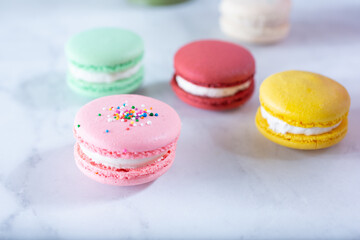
(132, 113)
(78, 125)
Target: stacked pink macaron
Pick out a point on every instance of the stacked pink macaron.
(213, 74)
(125, 139)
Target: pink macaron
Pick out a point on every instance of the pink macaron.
(125, 139)
(214, 75)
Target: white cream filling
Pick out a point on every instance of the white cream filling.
(100, 77)
(210, 92)
(120, 162)
(279, 126)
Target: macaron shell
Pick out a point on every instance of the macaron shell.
(300, 141)
(161, 130)
(264, 35)
(304, 99)
(213, 63)
(104, 47)
(95, 90)
(213, 103)
(258, 8)
(122, 177)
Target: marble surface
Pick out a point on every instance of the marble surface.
(227, 180)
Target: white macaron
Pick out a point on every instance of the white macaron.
(255, 21)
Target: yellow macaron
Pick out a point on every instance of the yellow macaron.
(303, 110)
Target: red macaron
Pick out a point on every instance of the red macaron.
(214, 75)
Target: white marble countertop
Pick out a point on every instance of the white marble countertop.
(227, 181)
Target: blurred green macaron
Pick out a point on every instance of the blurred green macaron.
(105, 61)
(157, 2)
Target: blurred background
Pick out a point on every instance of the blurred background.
(245, 187)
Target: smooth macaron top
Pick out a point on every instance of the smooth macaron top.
(259, 7)
(101, 123)
(214, 63)
(304, 99)
(104, 47)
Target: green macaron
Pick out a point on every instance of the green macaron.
(157, 2)
(105, 61)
